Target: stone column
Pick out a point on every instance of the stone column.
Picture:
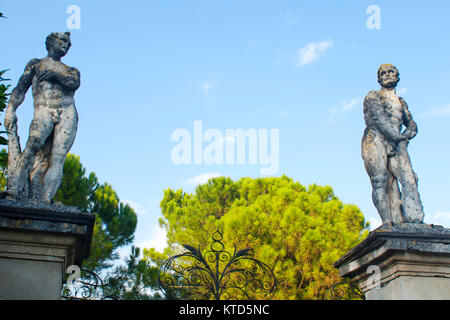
(37, 244)
(401, 262)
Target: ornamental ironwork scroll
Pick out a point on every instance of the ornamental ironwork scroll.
(216, 274)
(89, 286)
(345, 290)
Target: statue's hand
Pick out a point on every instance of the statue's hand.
(10, 120)
(46, 75)
(409, 134)
(399, 138)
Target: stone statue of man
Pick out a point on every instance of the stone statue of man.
(384, 151)
(36, 173)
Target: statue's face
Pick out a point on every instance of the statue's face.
(59, 43)
(388, 76)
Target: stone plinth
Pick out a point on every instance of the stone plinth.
(401, 262)
(37, 244)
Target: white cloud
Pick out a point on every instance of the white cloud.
(157, 240)
(345, 106)
(206, 88)
(374, 223)
(442, 111)
(442, 214)
(283, 113)
(136, 206)
(202, 178)
(312, 51)
(288, 17)
(253, 43)
(401, 91)
(350, 105)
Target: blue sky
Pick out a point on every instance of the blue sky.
(149, 68)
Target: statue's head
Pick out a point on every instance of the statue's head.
(58, 43)
(388, 76)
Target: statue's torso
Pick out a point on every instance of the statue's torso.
(51, 93)
(390, 104)
(394, 109)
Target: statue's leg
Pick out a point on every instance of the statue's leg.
(64, 136)
(411, 204)
(374, 155)
(14, 154)
(40, 129)
(40, 166)
(393, 191)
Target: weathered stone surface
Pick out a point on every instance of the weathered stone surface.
(36, 173)
(18, 216)
(24, 279)
(30, 206)
(417, 237)
(413, 262)
(37, 243)
(385, 154)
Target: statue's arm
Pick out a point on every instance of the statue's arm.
(408, 121)
(67, 77)
(18, 94)
(374, 106)
(70, 79)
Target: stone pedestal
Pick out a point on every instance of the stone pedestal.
(37, 244)
(401, 262)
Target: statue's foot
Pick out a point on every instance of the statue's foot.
(412, 211)
(13, 194)
(386, 225)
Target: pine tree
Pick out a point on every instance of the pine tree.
(299, 232)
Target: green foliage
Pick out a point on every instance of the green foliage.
(120, 219)
(299, 232)
(76, 189)
(3, 141)
(136, 280)
(3, 91)
(115, 222)
(3, 169)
